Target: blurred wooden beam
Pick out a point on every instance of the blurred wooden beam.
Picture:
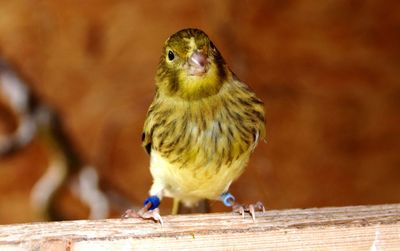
(340, 228)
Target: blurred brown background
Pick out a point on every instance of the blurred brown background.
(328, 72)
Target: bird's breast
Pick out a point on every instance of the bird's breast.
(203, 138)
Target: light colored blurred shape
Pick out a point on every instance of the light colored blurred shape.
(14, 89)
(47, 185)
(16, 93)
(87, 189)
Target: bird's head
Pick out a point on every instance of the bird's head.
(191, 67)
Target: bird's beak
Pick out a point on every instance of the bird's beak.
(198, 64)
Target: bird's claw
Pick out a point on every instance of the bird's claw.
(251, 209)
(144, 213)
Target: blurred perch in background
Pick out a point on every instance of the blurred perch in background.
(22, 117)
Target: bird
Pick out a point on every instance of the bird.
(201, 127)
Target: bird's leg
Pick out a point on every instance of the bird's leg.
(148, 211)
(229, 200)
(175, 206)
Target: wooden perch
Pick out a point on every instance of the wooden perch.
(341, 228)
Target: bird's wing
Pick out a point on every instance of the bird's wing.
(146, 142)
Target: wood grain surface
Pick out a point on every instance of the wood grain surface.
(336, 228)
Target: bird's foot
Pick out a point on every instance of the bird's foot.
(149, 211)
(144, 213)
(251, 209)
(229, 200)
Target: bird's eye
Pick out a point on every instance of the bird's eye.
(171, 55)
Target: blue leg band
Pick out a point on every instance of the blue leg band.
(228, 199)
(154, 200)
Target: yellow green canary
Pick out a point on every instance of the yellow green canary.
(203, 123)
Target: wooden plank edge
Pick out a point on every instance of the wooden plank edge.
(375, 227)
